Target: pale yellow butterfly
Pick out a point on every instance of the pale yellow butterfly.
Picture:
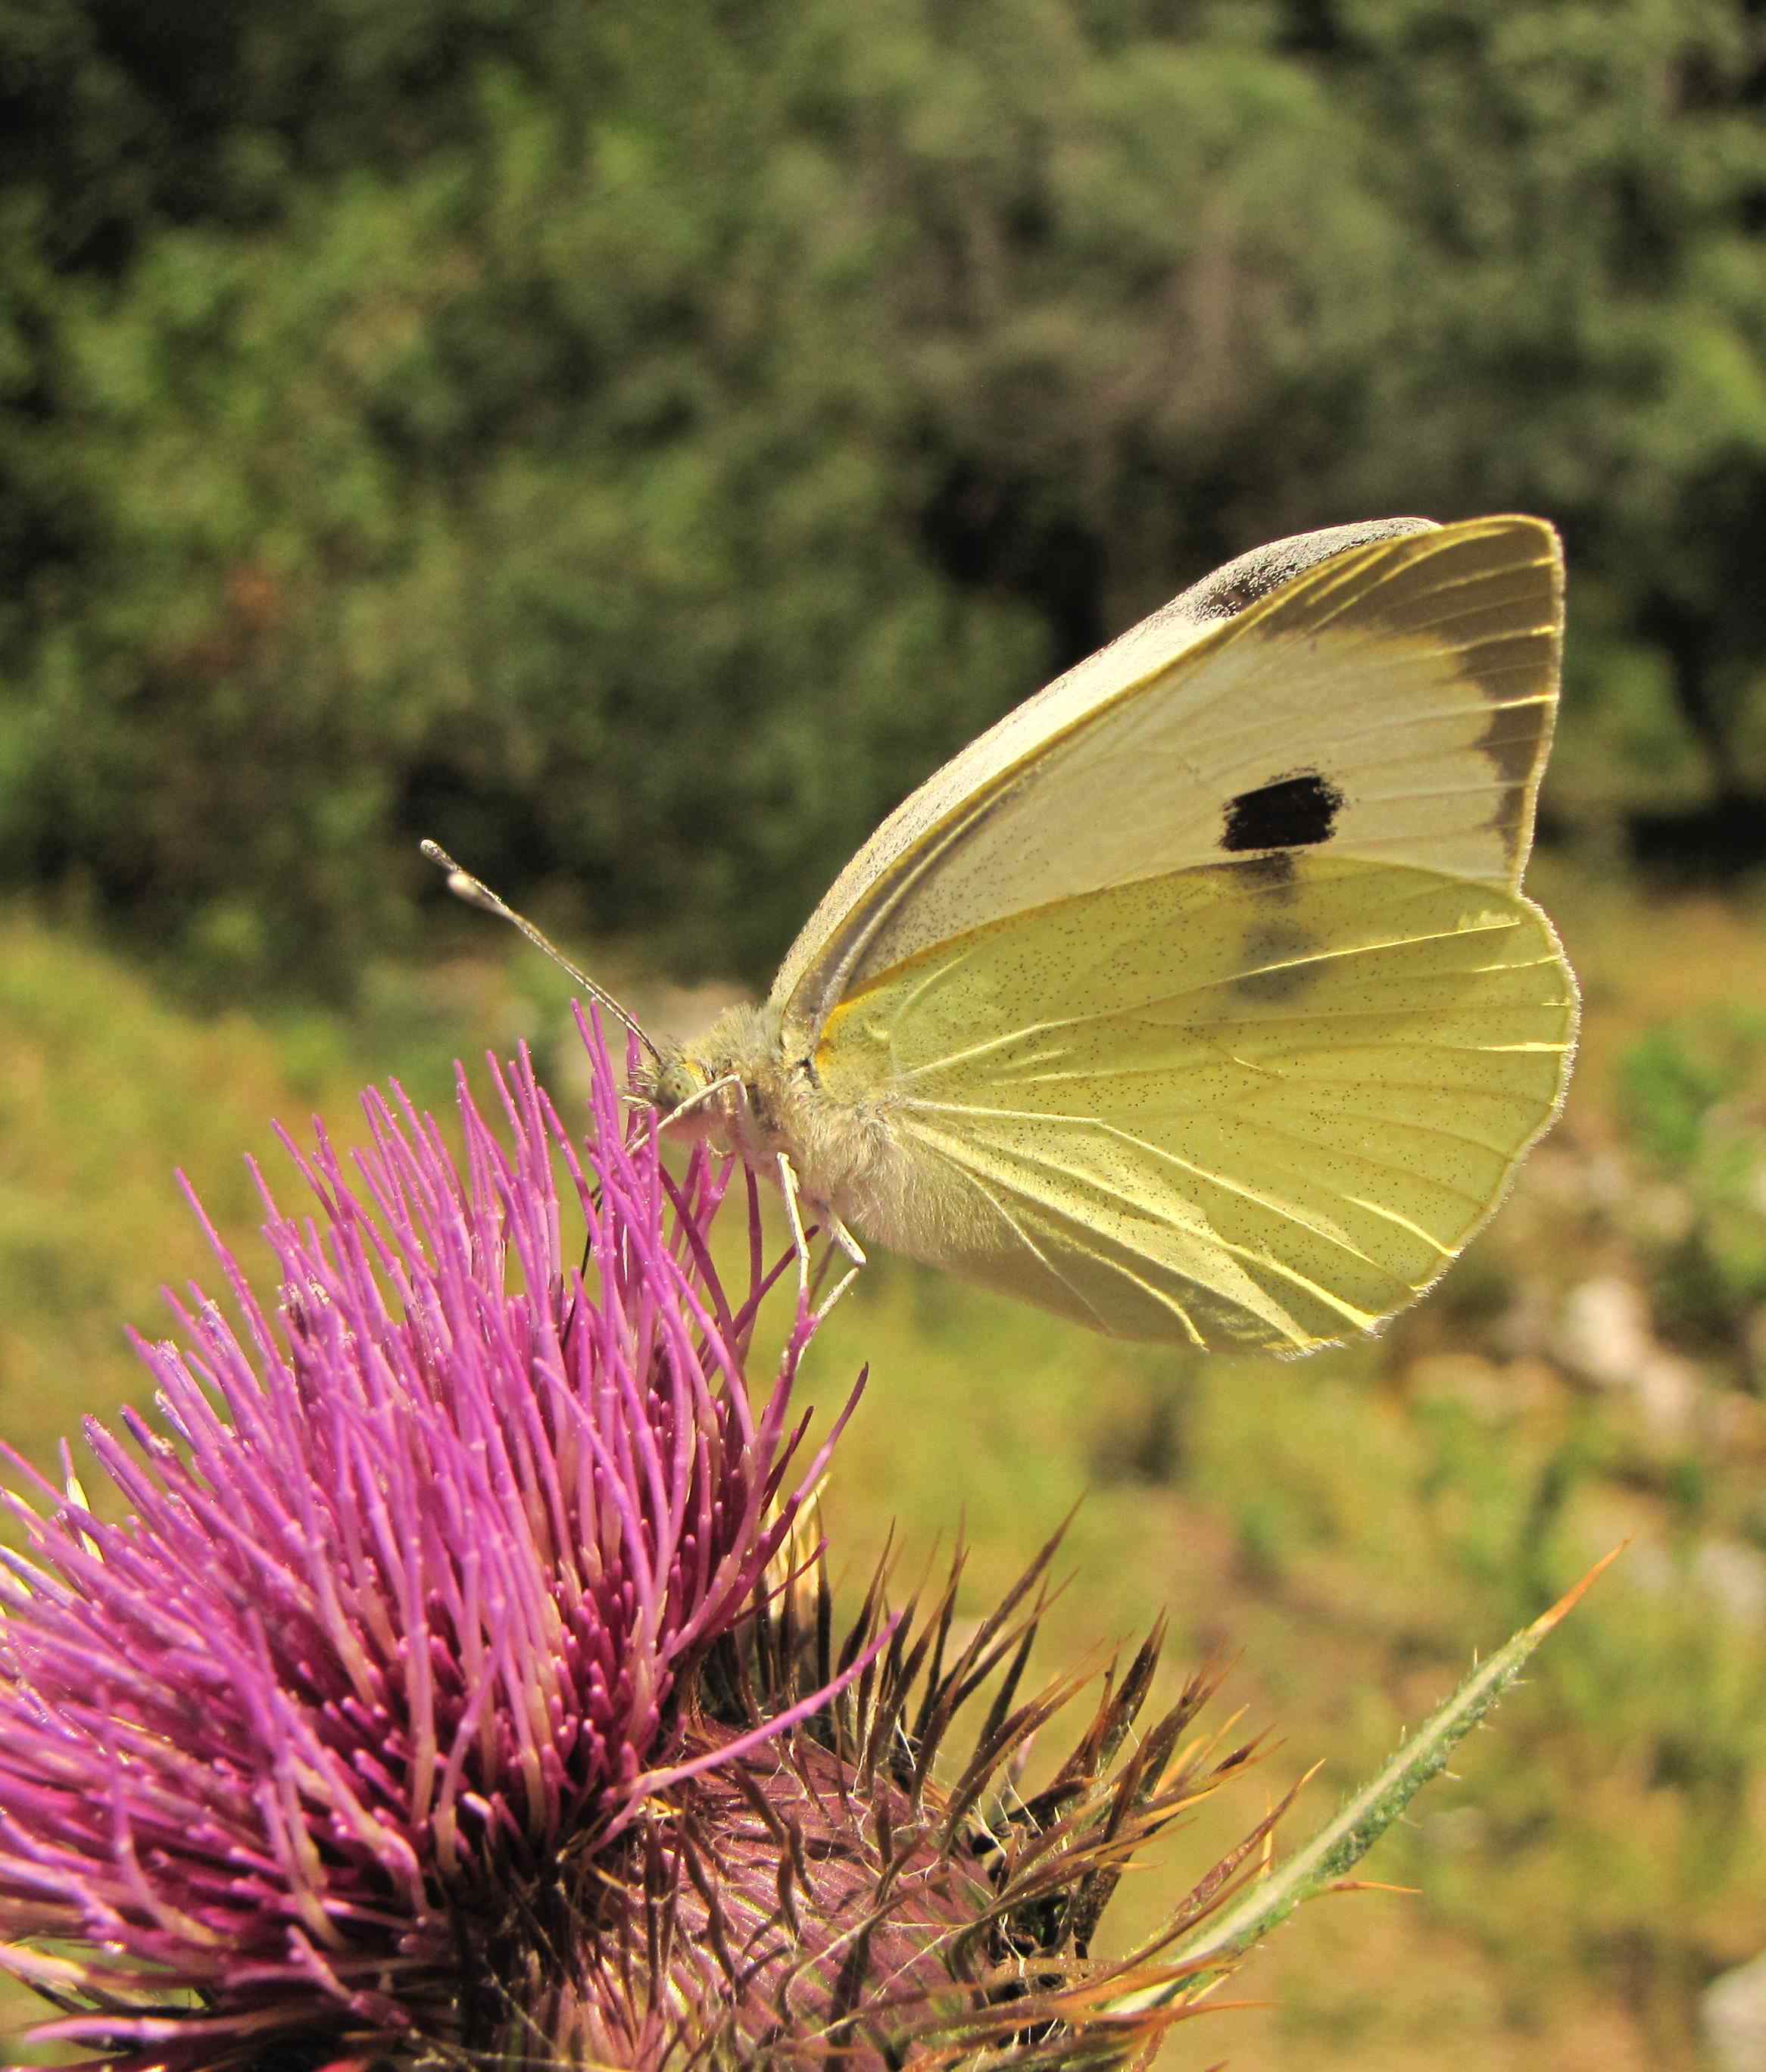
(1197, 1000)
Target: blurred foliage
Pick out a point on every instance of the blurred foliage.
(1694, 1094)
(633, 442)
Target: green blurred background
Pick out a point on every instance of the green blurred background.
(634, 440)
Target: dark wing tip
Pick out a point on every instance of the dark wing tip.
(1241, 583)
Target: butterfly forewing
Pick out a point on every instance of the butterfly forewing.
(1394, 703)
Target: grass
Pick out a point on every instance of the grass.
(1352, 1528)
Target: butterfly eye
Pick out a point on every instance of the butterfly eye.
(676, 1082)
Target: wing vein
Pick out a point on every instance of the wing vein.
(1231, 1247)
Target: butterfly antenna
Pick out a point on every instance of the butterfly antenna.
(476, 893)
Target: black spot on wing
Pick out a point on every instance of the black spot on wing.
(1293, 812)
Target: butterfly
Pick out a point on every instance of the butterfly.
(1197, 1000)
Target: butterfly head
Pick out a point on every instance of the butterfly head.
(708, 1089)
(673, 1084)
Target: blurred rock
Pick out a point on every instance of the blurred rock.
(1732, 2018)
(1728, 1574)
(1735, 1575)
(1603, 1331)
(1605, 1335)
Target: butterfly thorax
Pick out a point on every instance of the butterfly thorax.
(742, 1089)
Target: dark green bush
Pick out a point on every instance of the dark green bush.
(633, 442)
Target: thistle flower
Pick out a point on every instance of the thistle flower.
(456, 1691)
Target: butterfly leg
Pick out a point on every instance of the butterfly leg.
(788, 1187)
(840, 1240)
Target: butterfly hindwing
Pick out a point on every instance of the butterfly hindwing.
(1261, 1103)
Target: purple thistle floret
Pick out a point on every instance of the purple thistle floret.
(407, 1603)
